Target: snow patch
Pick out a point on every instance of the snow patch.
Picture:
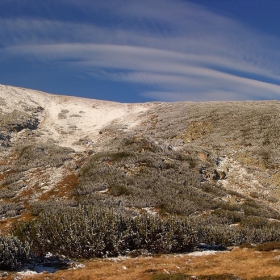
(205, 253)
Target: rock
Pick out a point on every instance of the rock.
(211, 247)
(31, 124)
(71, 165)
(219, 174)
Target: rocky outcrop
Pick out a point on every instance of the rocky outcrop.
(219, 174)
(212, 174)
(31, 124)
(16, 121)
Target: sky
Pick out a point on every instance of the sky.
(143, 50)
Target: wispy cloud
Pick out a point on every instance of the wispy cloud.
(181, 51)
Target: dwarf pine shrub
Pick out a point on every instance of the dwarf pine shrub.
(90, 232)
(13, 253)
(32, 156)
(95, 231)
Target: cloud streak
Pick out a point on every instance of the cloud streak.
(166, 70)
(181, 51)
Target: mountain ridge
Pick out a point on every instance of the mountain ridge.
(201, 130)
(80, 117)
(211, 168)
(180, 158)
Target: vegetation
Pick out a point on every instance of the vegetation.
(33, 155)
(266, 278)
(269, 246)
(156, 188)
(87, 231)
(13, 253)
(180, 276)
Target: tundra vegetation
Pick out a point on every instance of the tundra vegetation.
(155, 189)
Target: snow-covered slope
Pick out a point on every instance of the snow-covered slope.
(68, 119)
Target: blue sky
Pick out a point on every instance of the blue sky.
(143, 50)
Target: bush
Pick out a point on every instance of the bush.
(269, 246)
(266, 278)
(95, 231)
(91, 232)
(13, 253)
(33, 156)
(10, 209)
(176, 276)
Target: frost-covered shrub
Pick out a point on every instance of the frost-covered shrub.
(6, 193)
(12, 178)
(90, 232)
(260, 230)
(13, 253)
(161, 180)
(32, 156)
(10, 209)
(37, 207)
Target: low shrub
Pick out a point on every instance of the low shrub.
(266, 278)
(13, 253)
(10, 209)
(269, 246)
(175, 276)
(86, 232)
(96, 231)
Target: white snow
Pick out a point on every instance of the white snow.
(79, 265)
(24, 274)
(67, 119)
(205, 253)
(238, 177)
(150, 210)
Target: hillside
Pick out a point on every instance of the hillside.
(213, 167)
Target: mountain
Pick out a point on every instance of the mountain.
(216, 163)
(63, 119)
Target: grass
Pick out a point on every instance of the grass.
(244, 263)
(180, 276)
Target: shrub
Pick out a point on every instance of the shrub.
(269, 246)
(232, 216)
(32, 156)
(176, 276)
(91, 232)
(13, 253)
(224, 276)
(95, 231)
(10, 209)
(266, 278)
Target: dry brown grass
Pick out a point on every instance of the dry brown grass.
(62, 189)
(7, 224)
(246, 263)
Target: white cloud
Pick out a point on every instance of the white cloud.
(181, 49)
(168, 71)
(190, 96)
